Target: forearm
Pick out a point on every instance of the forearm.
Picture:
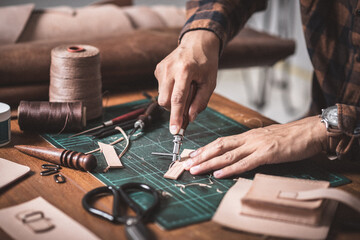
(305, 137)
(277, 143)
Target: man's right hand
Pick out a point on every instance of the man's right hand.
(195, 59)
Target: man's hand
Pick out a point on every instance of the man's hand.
(195, 59)
(273, 144)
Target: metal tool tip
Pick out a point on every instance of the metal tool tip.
(161, 154)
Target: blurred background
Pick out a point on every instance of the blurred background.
(281, 92)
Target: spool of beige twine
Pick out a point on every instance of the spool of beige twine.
(75, 76)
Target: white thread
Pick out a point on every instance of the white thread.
(166, 194)
(182, 186)
(112, 143)
(127, 141)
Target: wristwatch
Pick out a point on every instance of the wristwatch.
(329, 117)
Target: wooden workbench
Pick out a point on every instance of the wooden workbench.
(67, 197)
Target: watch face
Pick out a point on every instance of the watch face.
(331, 116)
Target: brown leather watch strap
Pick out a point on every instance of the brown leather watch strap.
(333, 138)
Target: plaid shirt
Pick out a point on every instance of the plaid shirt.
(332, 32)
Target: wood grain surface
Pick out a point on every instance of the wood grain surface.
(67, 197)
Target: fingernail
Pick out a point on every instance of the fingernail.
(194, 154)
(173, 129)
(194, 169)
(187, 164)
(218, 173)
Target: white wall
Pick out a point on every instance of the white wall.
(282, 18)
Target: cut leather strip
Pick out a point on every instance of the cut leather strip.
(110, 155)
(175, 170)
(330, 193)
(127, 141)
(177, 167)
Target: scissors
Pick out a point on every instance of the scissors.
(134, 225)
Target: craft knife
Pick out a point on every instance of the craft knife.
(178, 138)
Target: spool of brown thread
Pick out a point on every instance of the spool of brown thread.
(51, 117)
(75, 76)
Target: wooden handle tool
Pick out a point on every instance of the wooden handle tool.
(189, 100)
(63, 157)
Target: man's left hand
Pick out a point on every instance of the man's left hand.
(276, 143)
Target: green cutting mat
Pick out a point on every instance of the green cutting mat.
(198, 203)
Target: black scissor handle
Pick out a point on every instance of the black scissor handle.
(97, 193)
(135, 228)
(125, 190)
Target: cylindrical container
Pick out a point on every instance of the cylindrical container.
(51, 116)
(5, 130)
(75, 76)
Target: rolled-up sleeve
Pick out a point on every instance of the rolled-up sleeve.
(348, 146)
(222, 17)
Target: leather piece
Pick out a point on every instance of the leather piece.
(12, 22)
(12, 95)
(175, 170)
(134, 54)
(328, 193)
(170, 15)
(266, 188)
(119, 3)
(64, 226)
(10, 172)
(126, 56)
(122, 57)
(99, 20)
(177, 167)
(148, 19)
(253, 48)
(229, 215)
(82, 23)
(110, 155)
(292, 215)
(262, 200)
